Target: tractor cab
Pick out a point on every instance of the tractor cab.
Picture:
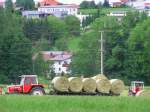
(28, 85)
(136, 87)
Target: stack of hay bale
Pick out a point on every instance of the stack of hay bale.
(102, 83)
(97, 84)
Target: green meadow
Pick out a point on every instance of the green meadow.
(73, 104)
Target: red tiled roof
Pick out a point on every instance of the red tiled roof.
(49, 2)
(147, 3)
(56, 55)
(124, 1)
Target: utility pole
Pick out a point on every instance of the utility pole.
(101, 53)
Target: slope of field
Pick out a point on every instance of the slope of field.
(104, 10)
(73, 104)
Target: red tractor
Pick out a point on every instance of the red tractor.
(28, 85)
(135, 88)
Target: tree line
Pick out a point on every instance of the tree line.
(93, 5)
(126, 48)
(21, 39)
(126, 43)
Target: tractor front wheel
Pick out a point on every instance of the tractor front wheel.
(37, 91)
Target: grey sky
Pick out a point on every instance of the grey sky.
(72, 1)
(75, 1)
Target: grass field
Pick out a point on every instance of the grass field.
(103, 10)
(73, 104)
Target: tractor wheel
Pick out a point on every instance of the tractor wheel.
(37, 91)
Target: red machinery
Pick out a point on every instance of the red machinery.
(1, 90)
(28, 85)
(136, 87)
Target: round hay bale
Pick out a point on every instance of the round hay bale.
(99, 76)
(60, 84)
(103, 85)
(75, 84)
(143, 93)
(117, 86)
(89, 85)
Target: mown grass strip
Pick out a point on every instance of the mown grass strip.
(74, 104)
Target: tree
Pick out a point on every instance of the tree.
(88, 4)
(9, 5)
(84, 5)
(92, 4)
(26, 4)
(86, 60)
(114, 53)
(15, 50)
(35, 29)
(73, 25)
(99, 5)
(106, 3)
(62, 44)
(91, 18)
(58, 28)
(139, 47)
(50, 28)
(41, 67)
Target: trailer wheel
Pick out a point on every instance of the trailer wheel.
(37, 91)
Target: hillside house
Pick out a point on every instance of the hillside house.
(49, 3)
(61, 60)
(33, 14)
(59, 10)
(117, 3)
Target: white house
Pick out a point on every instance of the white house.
(115, 3)
(61, 60)
(119, 14)
(59, 10)
(141, 5)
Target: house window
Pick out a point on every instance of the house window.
(34, 81)
(59, 63)
(27, 81)
(65, 64)
(59, 69)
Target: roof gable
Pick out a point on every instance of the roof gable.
(56, 55)
(49, 2)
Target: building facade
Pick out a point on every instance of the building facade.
(33, 14)
(59, 10)
(60, 61)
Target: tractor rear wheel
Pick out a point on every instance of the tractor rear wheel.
(37, 91)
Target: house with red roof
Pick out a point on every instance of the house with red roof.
(49, 2)
(61, 60)
(59, 10)
(52, 7)
(117, 3)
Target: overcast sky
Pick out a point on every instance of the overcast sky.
(67, 1)
(72, 1)
(75, 1)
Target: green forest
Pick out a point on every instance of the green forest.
(126, 44)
